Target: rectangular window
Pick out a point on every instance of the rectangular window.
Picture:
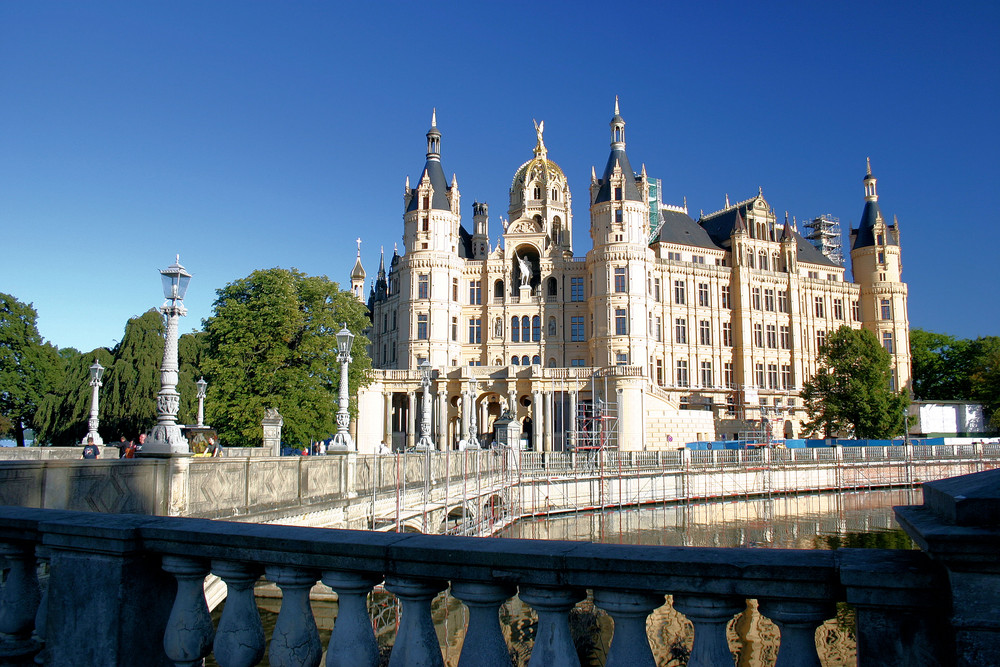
(454, 289)
(756, 298)
(680, 293)
(576, 328)
(619, 216)
(621, 359)
(576, 362)
(786, 376)
(782, 301)
(727, 375)
(656, 289)
(813, 274)
(673, 256)
(730, 405)
(422, 326)
(820, 340)
(786, 338)
(819, 306)
(855, 311)
(769, 299)
(886, 310)
(703, 295)
(659, 372)
(726, 297)
(727, 334)
(758, 335)
(475, 330)
(658, 328)
(759, 375)
(706, 374)
(576, 289)
(705, 332)
(682, 373)
(475, 292)
(454, 328)
(621, 322)
(620, 279)
(698, 259)
(680, 330)
(887, 341)
(772, 376)
(423, 286)
(772, 336)
(838, 309)
(618, 194)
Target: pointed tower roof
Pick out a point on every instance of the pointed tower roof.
(433, 171)
(786, 232)
(620, 159)
(358, 273)
(740, 226)
(865, 235)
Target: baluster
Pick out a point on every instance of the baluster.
(553, 642)
(416, 641)
(19, 601)
(709, 616)
(295, 641)
(187, 639)
(239, 640)
(41, 617)
(629, 609)
(352, 641)
(484, 643)
(797, 620)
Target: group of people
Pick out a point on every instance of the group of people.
(127, 449)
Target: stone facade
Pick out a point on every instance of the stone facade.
(665, 327)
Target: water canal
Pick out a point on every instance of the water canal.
(808, 521)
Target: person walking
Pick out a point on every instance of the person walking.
(90, 450)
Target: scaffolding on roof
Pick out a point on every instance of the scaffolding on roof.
(826, 237)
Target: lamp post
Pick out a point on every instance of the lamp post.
(425, 444)
(343, 441)
(166, 437)
(202, 386)
(96, 372)
(473, 441)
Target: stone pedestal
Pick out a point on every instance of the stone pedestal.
(959, 527)
(272, 423)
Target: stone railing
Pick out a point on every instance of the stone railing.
(128, 590)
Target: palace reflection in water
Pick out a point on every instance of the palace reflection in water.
(815, 521)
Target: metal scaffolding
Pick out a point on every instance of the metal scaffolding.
(825, 235)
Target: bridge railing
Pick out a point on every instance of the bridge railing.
(128, 589)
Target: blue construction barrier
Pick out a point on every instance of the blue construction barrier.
(814, 443)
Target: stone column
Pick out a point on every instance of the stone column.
(570, 427)
(411, 419)
(536, 421)
(387, 420)
(442, 431)
(550, 420)
(272, 431)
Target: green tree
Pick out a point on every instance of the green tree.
(28, 366)
(63, 412)
(985, 378)
(192, 349)
(128, 399)
(272, 343)
(850, 392)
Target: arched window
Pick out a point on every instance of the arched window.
(763, 260)
(536, 360)
(498, 362)
(525, 329)
(552, 362)
(514, 361)
(555, 195)
(553, 287)
(536, 328)
(524, 361)
(750, 259)
(537, 193)
(515, 329)
(556, 230)
(498, 289)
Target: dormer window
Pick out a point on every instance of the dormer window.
(538, 193)
(880, 239)
(618, 195)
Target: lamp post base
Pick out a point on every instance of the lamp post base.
(341, 442)
(425, 444)
(165, 440)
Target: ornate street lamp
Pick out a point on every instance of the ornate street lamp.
(96, 372)
(202, 386)
(473, 441)
(425, 444)
(343, 441)
(166, 437)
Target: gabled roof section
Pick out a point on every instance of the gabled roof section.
(678, 228)
(721, 224)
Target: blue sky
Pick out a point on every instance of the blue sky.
(246, 135)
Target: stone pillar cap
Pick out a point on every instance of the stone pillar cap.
(967, 500)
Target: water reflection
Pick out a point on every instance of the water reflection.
(815, 521)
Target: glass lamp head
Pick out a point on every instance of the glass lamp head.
(425, 369)
(175, 281)
(202, 385)
(96, 371)
(344, 340)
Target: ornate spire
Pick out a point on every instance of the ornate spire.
(616, 106)
(540, 145)
(434, 139)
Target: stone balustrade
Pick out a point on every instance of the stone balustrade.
(127, 589)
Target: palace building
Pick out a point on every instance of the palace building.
(668, 330)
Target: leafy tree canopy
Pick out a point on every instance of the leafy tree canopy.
(63, 412)
(946, 368)
(272, 343)
(28, 366)
(850, 392)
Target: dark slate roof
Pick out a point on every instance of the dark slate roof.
(865, 233)
(679, 228)
(440, 184)
(631, 191)
(720, 226)
(808, 253)
(464, 243)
